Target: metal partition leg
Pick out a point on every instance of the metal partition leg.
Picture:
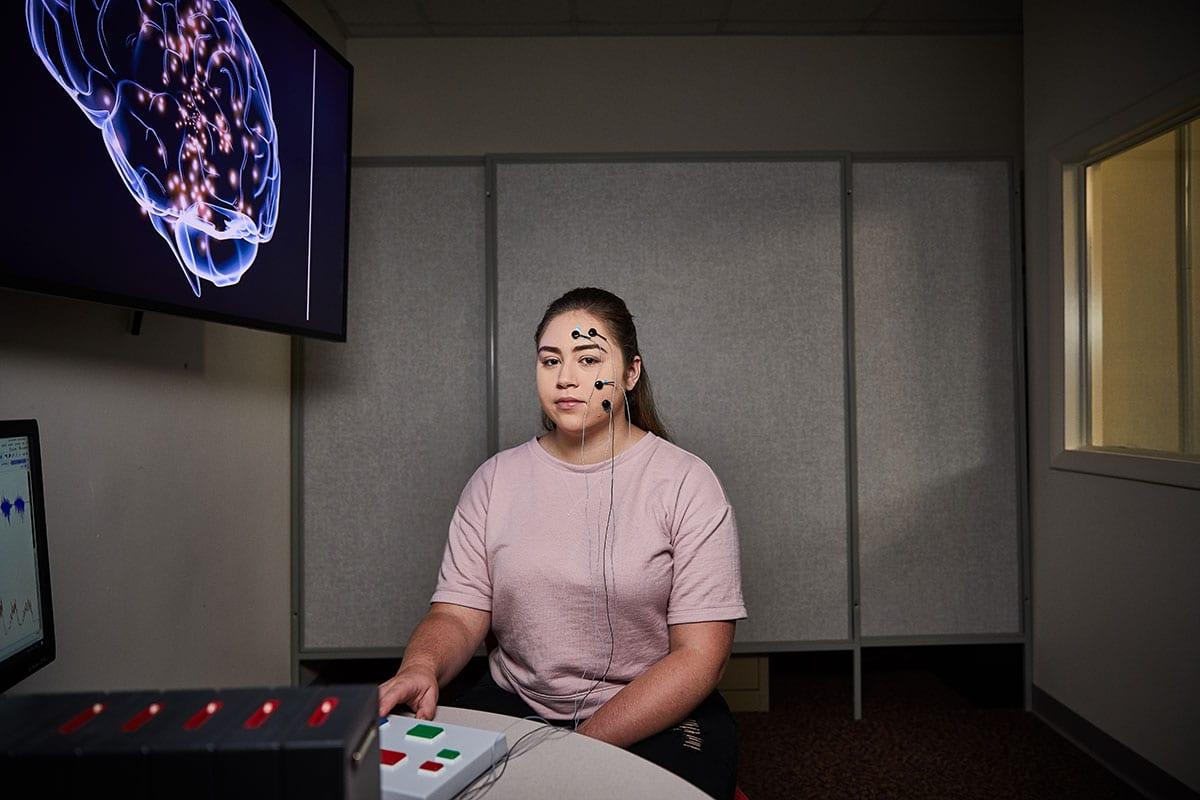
(858, 683)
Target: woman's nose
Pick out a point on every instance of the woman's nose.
(568, 376)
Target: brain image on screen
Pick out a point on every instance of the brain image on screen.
(184, 110)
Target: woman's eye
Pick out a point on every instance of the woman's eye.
(586, 360)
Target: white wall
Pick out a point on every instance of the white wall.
(165, 460)
(1116, 608)
(472, 96)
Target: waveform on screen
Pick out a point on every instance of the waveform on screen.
(16, 505)
(17, 616)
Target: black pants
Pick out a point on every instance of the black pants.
(702, 749)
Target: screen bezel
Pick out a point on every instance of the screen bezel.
(59, 289)
(25, 662)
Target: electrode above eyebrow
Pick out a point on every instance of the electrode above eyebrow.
(578, 334)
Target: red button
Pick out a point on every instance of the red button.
(261, 715)
(432, 766)
(322, 712)
(82, 718)
(142, 717)
(391, 758)
(203, 715)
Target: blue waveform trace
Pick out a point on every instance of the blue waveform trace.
(7, 507)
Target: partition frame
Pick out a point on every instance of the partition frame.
(299, 653)
(1019, 328)
(847, 159)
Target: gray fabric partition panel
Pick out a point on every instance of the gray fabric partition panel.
(733, 272)
(395, 419)
(937, 497)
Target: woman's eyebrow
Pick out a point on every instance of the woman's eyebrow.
(573, 349)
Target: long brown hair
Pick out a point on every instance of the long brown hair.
(610, 308)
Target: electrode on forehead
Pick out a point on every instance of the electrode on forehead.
(578, 333)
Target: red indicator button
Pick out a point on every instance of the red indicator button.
(391, 758)
(82, 718)
(142, 717)
(261, 715)
(321, 712)
(203, 715)
(432, 767)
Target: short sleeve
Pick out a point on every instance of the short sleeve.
(707, 581)
(464, 578)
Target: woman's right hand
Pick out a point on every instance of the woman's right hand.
(442, 643)
(415, 687)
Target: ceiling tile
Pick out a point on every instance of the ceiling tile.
(376, 31)
(674, 17)
(925, 27)
(648, 28)
(800, 10)
(523, 29)
(949, 10)
(497, 12)
(357, 13)
(811, 28)
(649, 11)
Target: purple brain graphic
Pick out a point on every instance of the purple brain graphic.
(183, 106)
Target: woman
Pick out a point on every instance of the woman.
(603, 558)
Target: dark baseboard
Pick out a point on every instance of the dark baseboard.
(1141, 774)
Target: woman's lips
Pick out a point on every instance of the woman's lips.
(568, 403)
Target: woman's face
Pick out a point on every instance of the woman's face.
(568, 368)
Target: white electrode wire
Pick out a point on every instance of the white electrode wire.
(475, 789)
(604, 555)
(612, 550)
(588, 675)
(628, 422)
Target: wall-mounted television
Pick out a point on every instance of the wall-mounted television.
(185, 156)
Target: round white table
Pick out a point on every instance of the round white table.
(557, 763)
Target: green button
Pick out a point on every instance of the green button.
(427, 732)
(449, 755)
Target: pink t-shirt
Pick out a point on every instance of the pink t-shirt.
(525, 544)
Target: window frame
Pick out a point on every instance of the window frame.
(1067, 226)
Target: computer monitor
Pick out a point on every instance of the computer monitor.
(27, 624)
